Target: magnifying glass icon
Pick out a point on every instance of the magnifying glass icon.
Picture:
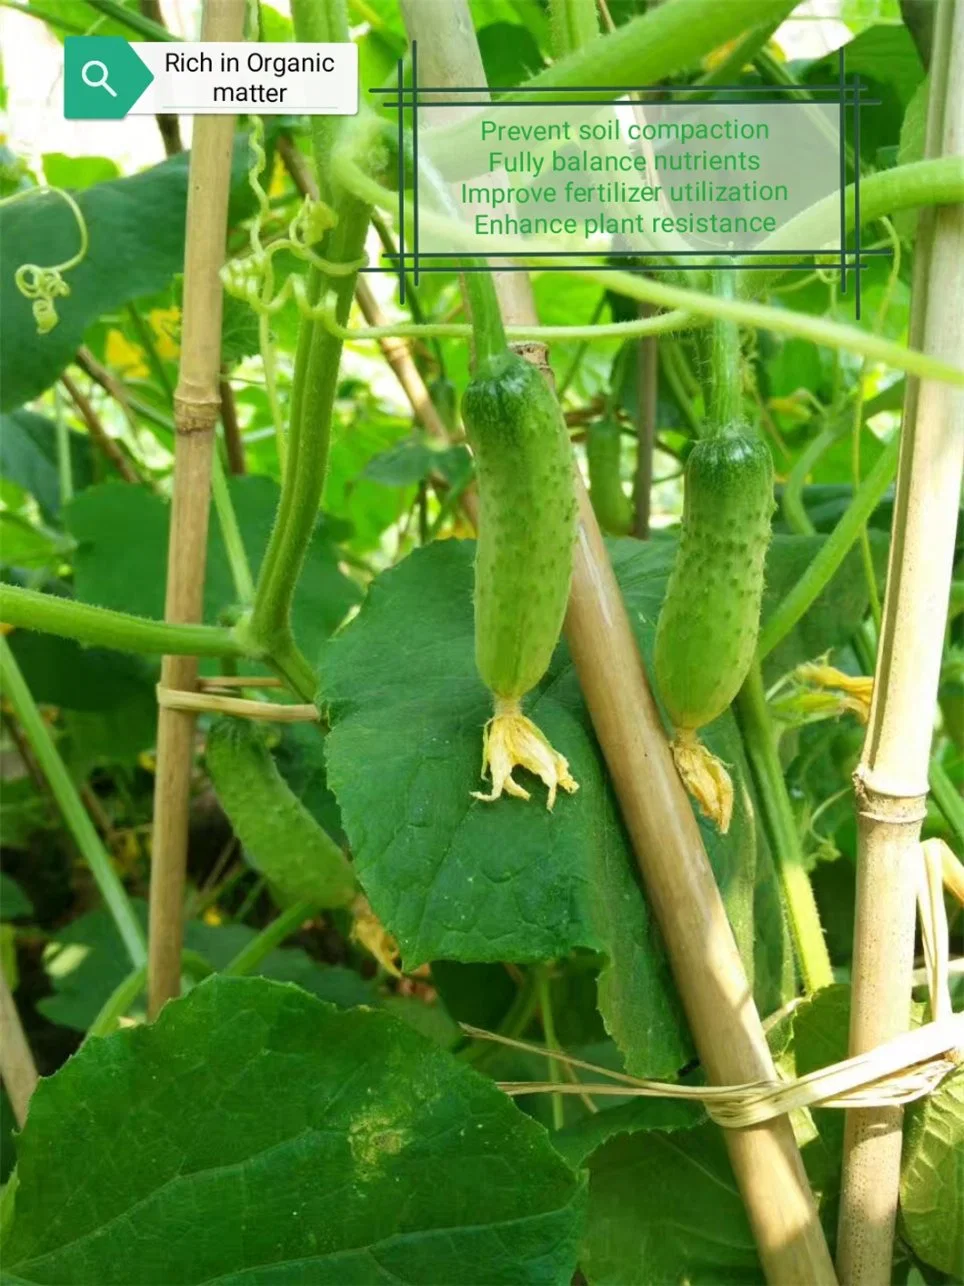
(99, 78)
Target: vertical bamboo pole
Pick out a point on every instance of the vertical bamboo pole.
(196, 407)
(669, 849)
(890, 783)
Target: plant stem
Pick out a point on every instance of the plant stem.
(98, 434)
(647, 407)
(150, 348)
(233, 445)
(761, 749)
(17, 1068)
(313, 390)
(395, 351)
(948, 798)
(572, 24)
(670, 359)
(936, 181)
(552, 1044)
(797, 518)
(65, 476)
(196, 407)
(281, 927)
(118, 1003)
(890, 783)
(231, 532)
(665, 836)
(725, 400)
(30, 609)
(659, 324)
(44, 15)
(68, 800)
(832, 553)
(817, 330)
(132, 19)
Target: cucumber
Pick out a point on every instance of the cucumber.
(610, 503)
(280, 837)
(527, 526)
(708, 625)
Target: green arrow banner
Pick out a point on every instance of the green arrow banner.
(103, 77)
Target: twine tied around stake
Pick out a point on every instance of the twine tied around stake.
(904, 1069)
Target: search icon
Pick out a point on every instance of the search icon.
(96, 81)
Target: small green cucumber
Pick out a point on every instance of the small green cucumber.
(280, 837)
(708, 625)
(610, 503)
(527, 521)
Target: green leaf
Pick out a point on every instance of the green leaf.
(253, 1134)
(911, 148)
(932, 1177)
(28, 457)
(578, 1142)
(453, 878)
(128, 573)
(821, 1028)
(85, 961)
(837, 612)
(413, 460)
(300, 756)
(23, 545)
(77, 172)
(889, 66)
(136, 230)
(61, 672)
(510, 55)
(14, 903)
(664, 1208)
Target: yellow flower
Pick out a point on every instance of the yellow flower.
(854, 692)
(124, 357)
(166, 325)
(279, 178)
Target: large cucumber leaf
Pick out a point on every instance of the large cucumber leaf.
(28, 457)
(136, 232)
(255, 1134)
(932, 1178)
(85, 962)
(664, 1207)
(128, 574)
(456, 879)
(453, 878)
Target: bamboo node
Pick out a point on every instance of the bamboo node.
(195, 415)
(881, 806)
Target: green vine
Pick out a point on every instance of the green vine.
(45, 285)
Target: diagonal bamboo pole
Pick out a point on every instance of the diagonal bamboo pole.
(666, 838)
(17, 1068)
(196, 408)
(890, 783)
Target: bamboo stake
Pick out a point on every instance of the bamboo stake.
(890, 783)
(17, 1067)
(196, 408)
(681, 888)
